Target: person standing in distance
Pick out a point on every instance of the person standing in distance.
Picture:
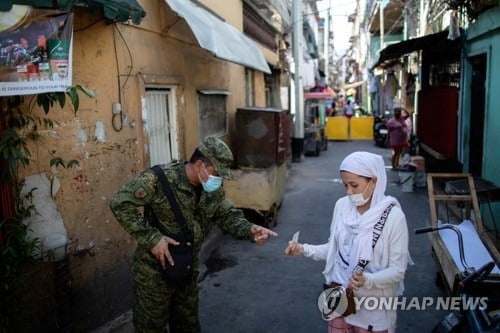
(196, 185)
(398, 138)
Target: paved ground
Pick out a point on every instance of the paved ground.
(251, 288)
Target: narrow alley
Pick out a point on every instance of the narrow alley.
(94, 93)
(253, 288)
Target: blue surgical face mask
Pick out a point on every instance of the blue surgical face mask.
(213, 182)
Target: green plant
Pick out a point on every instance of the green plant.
(22, 126)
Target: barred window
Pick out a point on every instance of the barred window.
(212, 112)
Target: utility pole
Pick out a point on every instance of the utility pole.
(423, 21)
(381, 12)
(326, 42)
(298, 133)
(381, 105)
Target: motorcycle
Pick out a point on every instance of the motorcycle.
(380, 131)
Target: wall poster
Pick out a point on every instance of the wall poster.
(35, 50)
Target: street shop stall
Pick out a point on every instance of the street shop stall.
(439, 92)
(315, 106)
(262, 148)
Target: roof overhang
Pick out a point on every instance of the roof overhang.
(121, 10)
(219, 38)
(435, 43)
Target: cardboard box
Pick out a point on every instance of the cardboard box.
(419, 162)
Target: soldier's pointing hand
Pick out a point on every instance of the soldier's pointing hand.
(160, 251)
(261, 234)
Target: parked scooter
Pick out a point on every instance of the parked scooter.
(380, 130)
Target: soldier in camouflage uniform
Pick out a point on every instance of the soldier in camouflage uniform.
(196, 187)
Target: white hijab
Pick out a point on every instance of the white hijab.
(367, 165)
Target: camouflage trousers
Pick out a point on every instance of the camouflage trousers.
(156, 303)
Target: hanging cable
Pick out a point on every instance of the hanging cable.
(117, 113)
(129, 55)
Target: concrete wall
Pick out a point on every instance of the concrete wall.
(161, 53)
(483, 37)
(230, 11)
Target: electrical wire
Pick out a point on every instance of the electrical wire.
(182, 41)
(317, 13)
(89, 25)
(129, 55)
(118, 114)
(394, 25)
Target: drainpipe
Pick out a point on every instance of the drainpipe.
(298, 134)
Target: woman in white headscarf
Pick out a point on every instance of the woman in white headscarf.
(351, 262)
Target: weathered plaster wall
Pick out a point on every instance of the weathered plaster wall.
(230, 11)
(156, 52)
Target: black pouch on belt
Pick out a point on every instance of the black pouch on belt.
(182, 255)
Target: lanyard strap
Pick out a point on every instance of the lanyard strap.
(160, 174)
(377, 232)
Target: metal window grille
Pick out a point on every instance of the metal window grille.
(212, 113)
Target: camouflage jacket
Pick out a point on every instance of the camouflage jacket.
(145, 190)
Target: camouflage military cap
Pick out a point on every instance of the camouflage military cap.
(219, 154)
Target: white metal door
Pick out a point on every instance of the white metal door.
(160, 124)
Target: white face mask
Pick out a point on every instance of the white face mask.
(359, 198)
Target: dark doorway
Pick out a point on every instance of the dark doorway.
(478, 81)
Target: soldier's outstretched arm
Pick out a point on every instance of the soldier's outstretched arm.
(232, 221)
(261, 234)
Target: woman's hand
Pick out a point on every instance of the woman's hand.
(356, 281)
(294, 249)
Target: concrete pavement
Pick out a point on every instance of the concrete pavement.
(249, 288)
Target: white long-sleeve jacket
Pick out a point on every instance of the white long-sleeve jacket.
(384, 274)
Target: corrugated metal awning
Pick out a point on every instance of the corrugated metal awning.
(436, 43)
(221, 39)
